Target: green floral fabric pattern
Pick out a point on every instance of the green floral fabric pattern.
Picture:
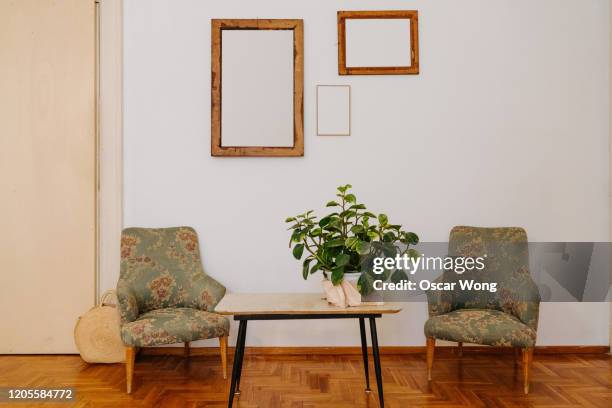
(161, 271)
(506, 255)
(481, 326)
(173, 325)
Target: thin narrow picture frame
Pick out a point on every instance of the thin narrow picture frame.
(411, 15)
(319, 132)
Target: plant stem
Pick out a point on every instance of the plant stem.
(313, 253)
(344, 231)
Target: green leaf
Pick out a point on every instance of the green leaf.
(389, 237)
(362, 247)
(295, 237)
(333, 252)
(342, 189)
(411, 238)
(290, 219)
(351, 242)
(413, 253)
(315, 268)
(334, 243)
(332, 204)
(305, 267)
(365, 284)
(298, 250)
(324, 221)
(389, 250)
(347, 214)
(335, 224)
(350, 198)
(369, 214)
(324, 255)
(337, 275)
(398, 276)
(332, 228)
(357, 207)
(316, 232)
(357, 229)
(343, 259)
(383, 219)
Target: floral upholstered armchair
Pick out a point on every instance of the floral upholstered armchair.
(506, 317)
(164, 295)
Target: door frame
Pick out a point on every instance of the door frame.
(610, 156)
(110, 143)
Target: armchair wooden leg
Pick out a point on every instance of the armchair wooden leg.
(187, 349)
(516, 355)
(223, 351)
(431, 344)
(460, 348)
(527, 358)
(130, 356)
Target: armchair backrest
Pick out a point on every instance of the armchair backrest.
(160, 268)
(506, 255)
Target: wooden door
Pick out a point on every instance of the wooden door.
(47, 172)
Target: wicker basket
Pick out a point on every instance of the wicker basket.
(97, 334)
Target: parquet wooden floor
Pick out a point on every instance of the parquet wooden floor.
(328, 381)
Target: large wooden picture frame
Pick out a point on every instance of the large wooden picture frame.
(217, 147)
(411, 69)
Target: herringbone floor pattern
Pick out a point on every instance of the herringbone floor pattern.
(475, 380)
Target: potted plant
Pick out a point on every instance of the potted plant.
(344, 243)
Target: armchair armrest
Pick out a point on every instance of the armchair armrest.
(209, 292)
(439, 302)
(524, 301)
(128, 305)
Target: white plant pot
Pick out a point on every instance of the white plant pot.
(334, 294)
(349, 286)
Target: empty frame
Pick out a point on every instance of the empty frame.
(333, 110)
(257, 88)
(378, 42)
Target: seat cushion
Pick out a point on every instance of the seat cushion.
(481, 326)
(173, 325)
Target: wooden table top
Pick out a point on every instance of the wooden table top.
(293, 303)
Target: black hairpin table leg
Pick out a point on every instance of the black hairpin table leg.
(238, 357)
(242, 347)
(364, 351)
(377, 361)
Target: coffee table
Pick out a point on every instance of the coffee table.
(288, 306)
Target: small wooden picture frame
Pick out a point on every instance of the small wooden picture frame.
(251, 118)
(378, 42)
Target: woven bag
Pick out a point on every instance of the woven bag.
(97, 334)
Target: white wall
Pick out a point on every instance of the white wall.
(507, 124)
